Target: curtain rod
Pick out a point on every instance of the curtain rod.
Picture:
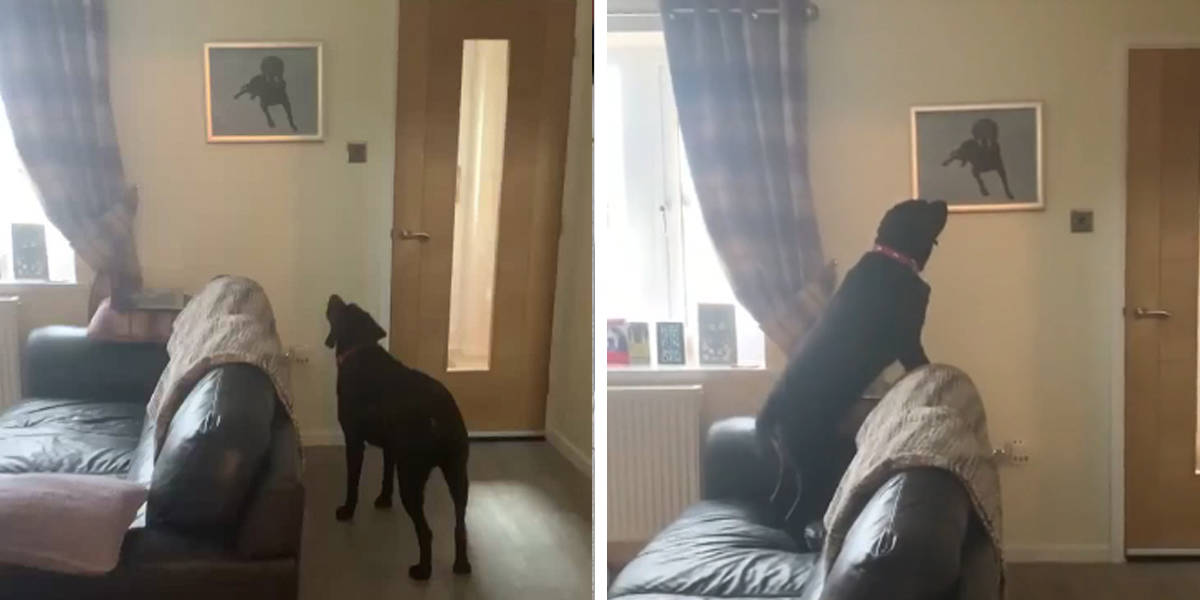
(811, 12)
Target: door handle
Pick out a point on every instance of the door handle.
(1150, 313)
(404, 234)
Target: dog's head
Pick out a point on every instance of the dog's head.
(912, 228)
(349, 325)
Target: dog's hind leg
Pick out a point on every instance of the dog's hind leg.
(389, 470)
(455, 472)
(267, 111)
(287, 108)
(354, 458)
(412, 495)
(1004, 180)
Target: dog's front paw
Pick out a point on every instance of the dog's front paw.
(419, 572)
(344, 513)
(462, 567)
(383, 502)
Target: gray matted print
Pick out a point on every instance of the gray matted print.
(983, 157)
(263, 91)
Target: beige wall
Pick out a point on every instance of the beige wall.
(569, 402)
(1028, 309)
(296, 217)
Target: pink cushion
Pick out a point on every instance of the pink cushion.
(65, 522)
(130, 326)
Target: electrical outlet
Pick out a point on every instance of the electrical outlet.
(1081, 221)
(296, 355)
(1011, 453)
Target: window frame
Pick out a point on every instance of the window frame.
(630, 29)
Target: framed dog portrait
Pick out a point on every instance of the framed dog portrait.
(263, 91)
(979, 157)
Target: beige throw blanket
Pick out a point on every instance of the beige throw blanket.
(229, 321)
(932, 417)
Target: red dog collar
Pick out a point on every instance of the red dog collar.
(897, 256)
(342, 356)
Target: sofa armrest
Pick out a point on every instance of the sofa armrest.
(735, 466)
(907, 542)
(62, 362)
(274, 514)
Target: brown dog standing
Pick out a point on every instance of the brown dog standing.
(408, 414)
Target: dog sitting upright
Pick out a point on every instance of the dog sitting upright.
(408, 414)
(873, 320)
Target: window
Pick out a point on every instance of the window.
(23, 223)
(662, 263)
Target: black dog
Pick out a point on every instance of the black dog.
(874, 319)
(270, 89)
(982, 150)
(408, 414)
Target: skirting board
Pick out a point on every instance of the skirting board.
(333, 437)
(1058, 553)
(582, 460)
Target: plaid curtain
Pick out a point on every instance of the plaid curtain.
(54, 83)
(738, 71)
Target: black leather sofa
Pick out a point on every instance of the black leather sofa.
(916, 539)
(225, 505)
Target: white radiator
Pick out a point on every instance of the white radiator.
(653, 458)
(10, 355)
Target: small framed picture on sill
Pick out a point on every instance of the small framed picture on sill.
(669, 335)
(718, 334)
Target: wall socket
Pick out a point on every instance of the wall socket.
(1081, 221)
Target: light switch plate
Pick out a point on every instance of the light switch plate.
(356, 152)
(1081, 221)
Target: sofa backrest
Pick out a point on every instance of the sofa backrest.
(62, 362)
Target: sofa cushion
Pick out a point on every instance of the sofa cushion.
(69, 436)
(718, 550)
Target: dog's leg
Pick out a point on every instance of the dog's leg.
(287, 108)
(263, 104)
(412, 495)
(389, 470)
(456, 479)
(354, 458)
(982, 188)
(1004, 180)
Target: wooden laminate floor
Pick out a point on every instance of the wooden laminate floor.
(1169, 580)
(529, 521)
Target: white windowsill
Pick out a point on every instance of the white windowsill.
(668, 375)
(20, 287)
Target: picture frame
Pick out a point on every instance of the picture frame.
(264, 91)
(718, 334)
(979, 157)
(638, 333)
(672, 348)
(618, 342)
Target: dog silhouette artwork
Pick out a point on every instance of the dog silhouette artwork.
(982, 150)
(270, 89)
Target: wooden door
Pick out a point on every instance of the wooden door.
(481, 122)
(1162, 483)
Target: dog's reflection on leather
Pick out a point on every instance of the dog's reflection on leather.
(411, 416)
